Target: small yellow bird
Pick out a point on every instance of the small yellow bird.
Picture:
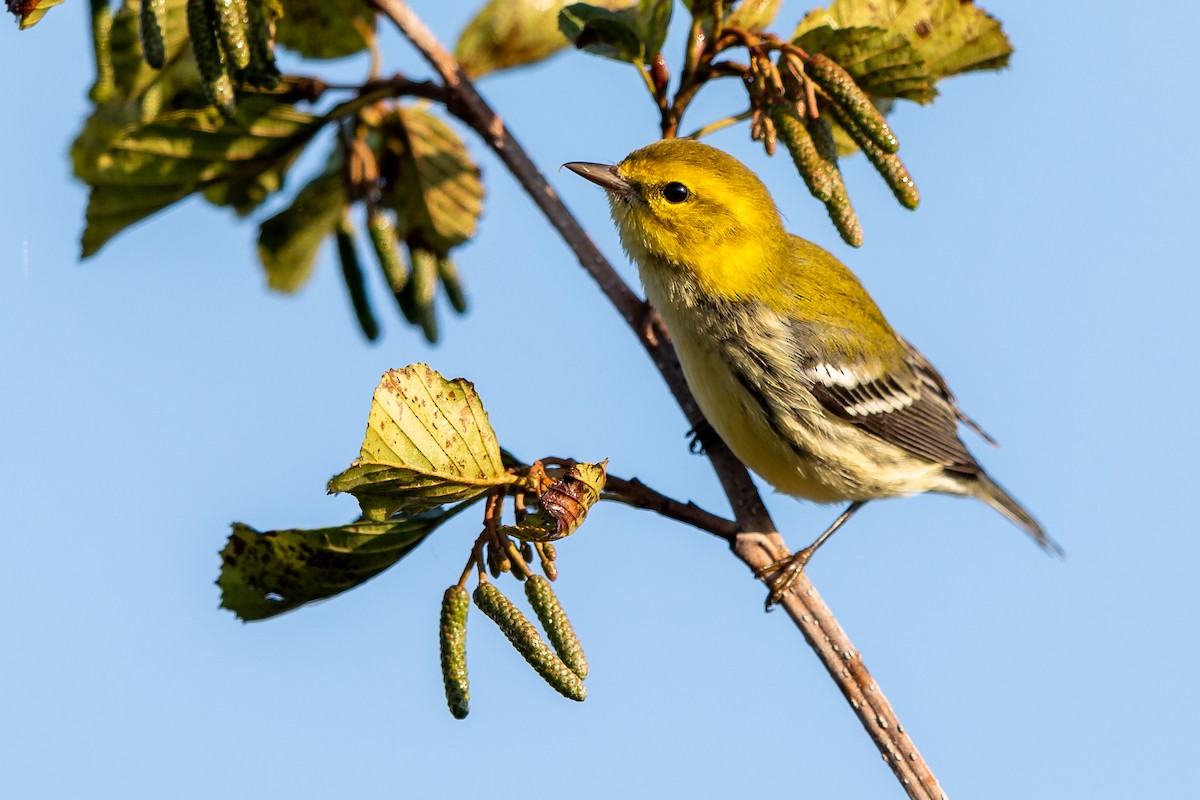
(790, 360)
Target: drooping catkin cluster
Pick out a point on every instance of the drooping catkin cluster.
(525, 638)
(817, 90)
(561, 663)
(232, 41)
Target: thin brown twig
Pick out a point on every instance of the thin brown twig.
(634, 493)
(757, 544)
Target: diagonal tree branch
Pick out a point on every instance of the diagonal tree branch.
(758, 543)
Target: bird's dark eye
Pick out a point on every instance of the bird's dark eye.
(675, 192)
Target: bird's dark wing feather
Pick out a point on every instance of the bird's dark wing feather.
(908, 406)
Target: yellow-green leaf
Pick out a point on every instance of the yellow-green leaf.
(428, 442)
(146, 167)
(430, 180)
(753, 15)
(288, 242)
(267, 573)
(510, 33)
(28, 12)
(883, 63)
(950, 35)
(325, 28)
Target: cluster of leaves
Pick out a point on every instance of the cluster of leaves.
(429, 454)
(189, 101)
(166, 127)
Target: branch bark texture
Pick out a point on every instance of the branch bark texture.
(757, 543)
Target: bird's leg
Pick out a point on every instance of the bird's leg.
(787, 569)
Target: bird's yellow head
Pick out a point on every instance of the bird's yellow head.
(679, 203)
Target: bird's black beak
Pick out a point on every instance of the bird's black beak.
(603, 175)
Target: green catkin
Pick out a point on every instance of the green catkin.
(382, 231)
(424, 287)
(798, 140)
(352, 274)
(452, 638)
(888, 165)
(556, 624)
(260, 35)
(231, 25)
(214, 77)
(842, 89)
(524, 637)
(452, 283)
(152, 16)
(841, 213)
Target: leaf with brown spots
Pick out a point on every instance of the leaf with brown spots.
(264, 574)
(428, 443)
(951, 36)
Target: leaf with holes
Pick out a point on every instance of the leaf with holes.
(264, 574)
(428, 443)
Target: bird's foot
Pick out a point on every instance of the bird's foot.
(699, 438)
(783, 573)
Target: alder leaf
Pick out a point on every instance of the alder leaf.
(429, 179)
(289, 241)
(325, 28)
(264, 574)
(428, 443)
(514, 33)
(145, 167)
(951, 36)
(883, 63)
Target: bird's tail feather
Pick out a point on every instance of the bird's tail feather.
(995, 496)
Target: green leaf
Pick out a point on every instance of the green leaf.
(428, 442)
(430, 180)
(510, 33)
(28, 12)
(514, 33)
(264, 574)
(288, 242)
(754, 15)
(612, 34)
(950, 35)
(145, 167)
(325, 28)
(633, 33)
(654, 17)
(883, 63)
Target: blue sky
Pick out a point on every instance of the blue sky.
(158, 392)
